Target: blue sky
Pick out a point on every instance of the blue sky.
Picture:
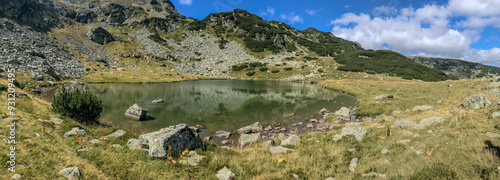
(463, 29)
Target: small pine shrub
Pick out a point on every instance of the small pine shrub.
(263, 69)
(320, 70)
(3, 87)
(275, 71)
(251, 73)
(288, 68)
(82, 106)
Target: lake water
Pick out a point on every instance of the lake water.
(217, 104)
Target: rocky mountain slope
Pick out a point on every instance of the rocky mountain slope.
(455, 67)
(66, 39)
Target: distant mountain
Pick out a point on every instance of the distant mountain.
(121, 34)
(457, 68)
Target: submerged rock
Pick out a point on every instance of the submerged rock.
(158, 101)
(255, 127)
(136, 112)
(171, 141)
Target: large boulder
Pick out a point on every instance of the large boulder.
(255, 127)
(222, 134)
(475, 102)
(343, 111)
(249, 139)
(171, 141)
(136, 112)
(70, 173)
(422, 108)
(117, 134)
(100, 35)
(292, 140)
(357, 132)
(433, 121)
(403, 123)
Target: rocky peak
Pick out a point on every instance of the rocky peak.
(30, 12)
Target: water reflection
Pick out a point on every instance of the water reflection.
(218, 104)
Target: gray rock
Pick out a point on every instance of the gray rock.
(249, 139)
(352, 150)
(353, 164)
(323, 112)
(402, 123)
(385, 150)
(116, 146)
(404, 141)
(269, 143)
(136, 112)
(134, 144)
(418, 127)
(433, 121)
(192, 159)
(70, 173)
(295, 176)
(494, 85)
(117, 134)
(330, 178)
(83, 150)
(419, 152)
(491, 134)
(225, 174)
(95, 141)
(405, 132)
(357, 132)
(494, 92)
(343, 111)
(222, 134)
(100, 35)
(16, 177)
(171, 140)
(475, 102)
(380, 97)
(495, 114)
(422, 108)
(56, 120)
(268, 128)
(255, 127)
(291, 140)
(279, 149)
(74, 132)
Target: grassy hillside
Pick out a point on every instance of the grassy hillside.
(455, 67)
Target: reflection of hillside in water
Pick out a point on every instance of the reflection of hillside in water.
(206, 98)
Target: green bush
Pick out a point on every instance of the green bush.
(288, 68)
(263, 69)
(3, 87)
(481, 74)
(251, 73)
(18, 84)
(320, 70)
(275, 71)
(82, 106)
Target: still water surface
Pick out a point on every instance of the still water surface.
(217, 104)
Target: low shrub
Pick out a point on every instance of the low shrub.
(82, 106)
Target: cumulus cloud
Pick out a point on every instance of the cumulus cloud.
(424, 31)
(474, 7)
(186, 2)
(269, 11)
(311, 12)
(291, 18)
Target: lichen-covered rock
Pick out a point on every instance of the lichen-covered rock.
(70, 173)
(75, 131)
(323, 111)
(380, 97)
(343, 111)
(136, 112)
(171, 141)
(495, 114)
(418, 127)
(225, 174)
(291, 140)
(222, 134)
(56, 120)
(403, 123)
(279, 149)
(255, 127)
(357, 132)
(353, 164)
(422, 108)
(269, 143)
(117, 134)
(433, 121)
(100, 35)
(134, 144)
(192, 159)
(475, 102)
(385, 150)
(249, 139)
(494, 92)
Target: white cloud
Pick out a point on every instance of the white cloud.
(424, 31)
(291, 18)
(385, 10)
(186, 2)
(311, 12)
(347, 6)
(270, 10)
(474, 7)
